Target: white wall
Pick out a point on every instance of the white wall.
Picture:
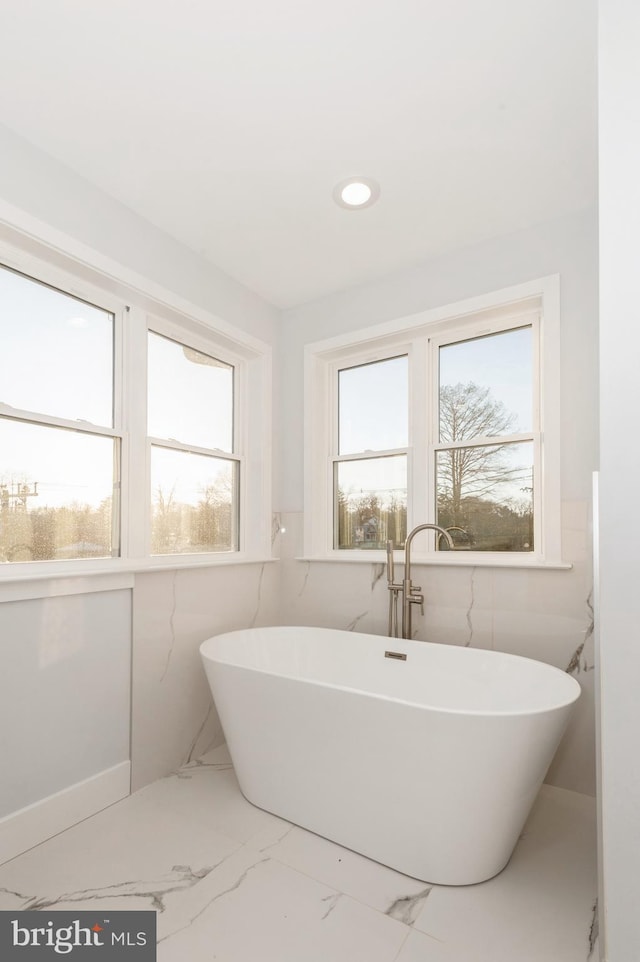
(619, 563)
(537, 613)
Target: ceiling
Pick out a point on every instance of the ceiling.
(227, 123)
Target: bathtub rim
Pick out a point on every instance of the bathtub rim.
(468, 712)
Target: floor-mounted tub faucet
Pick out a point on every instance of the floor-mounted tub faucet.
(411, 594)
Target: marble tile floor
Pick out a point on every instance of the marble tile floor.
(232, 883)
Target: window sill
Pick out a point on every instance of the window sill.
(102, 576)
(459, 559)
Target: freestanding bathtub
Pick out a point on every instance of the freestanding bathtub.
(424, 757)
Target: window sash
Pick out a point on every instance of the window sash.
(386, 513)
(216, 362)
(196, 513)
(91, 532)
(63, 301)
(465, 502)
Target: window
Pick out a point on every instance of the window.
(59, 441)
(370, 471)
(485, 438)
(128, 439)
(194, 476)
(439, 418)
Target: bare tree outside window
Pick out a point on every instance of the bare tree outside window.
(485, 489)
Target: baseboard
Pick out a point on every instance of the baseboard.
(34, 824)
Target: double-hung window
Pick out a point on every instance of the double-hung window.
(132, 435)
(194, 471)
(60, 427)
(484, 439)
(370, 467)
(439, 418)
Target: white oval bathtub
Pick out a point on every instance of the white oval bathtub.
(429, 765)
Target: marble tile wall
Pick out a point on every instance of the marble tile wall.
(537, 613)
(173, 718)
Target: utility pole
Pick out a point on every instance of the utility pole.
(14, 496)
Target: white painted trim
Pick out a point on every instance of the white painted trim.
(500, 304)
(31, 586)
(36, 823)
(443, 559)
(26, 589)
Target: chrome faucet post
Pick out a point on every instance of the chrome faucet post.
(412, 594)
(394, 589)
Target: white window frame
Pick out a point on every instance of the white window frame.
(536, 303)
(159, 326)
(43, 273)
(139, 305)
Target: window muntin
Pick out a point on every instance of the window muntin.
(194, 492)
(60, 452)
(57, 352)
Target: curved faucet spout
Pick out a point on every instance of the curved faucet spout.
(411, 594)
(444, 533)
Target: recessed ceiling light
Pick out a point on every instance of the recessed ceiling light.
(356, 192)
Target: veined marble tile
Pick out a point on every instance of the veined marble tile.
(369, 882)
(233, 883)
(173, 717)
(464, 587)
(539, 909)
(466, 627)
(208, 790)
(265, 910)
(290, 541)
(129, 856)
